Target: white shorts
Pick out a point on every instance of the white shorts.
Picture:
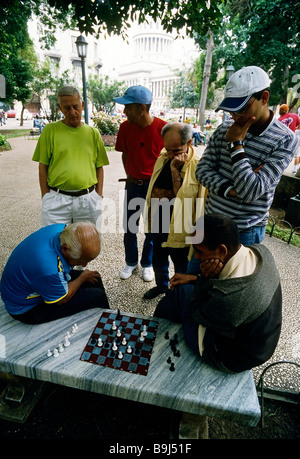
(60, 208)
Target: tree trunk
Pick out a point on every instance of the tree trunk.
(206, 77)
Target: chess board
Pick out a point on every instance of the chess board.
(131, 327)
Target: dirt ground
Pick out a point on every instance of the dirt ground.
(69, 414)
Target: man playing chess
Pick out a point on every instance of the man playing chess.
(39, 283)
(231, 312)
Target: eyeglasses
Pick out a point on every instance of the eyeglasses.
(243, 112)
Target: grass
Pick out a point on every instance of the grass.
(283, 233)
(10, 133)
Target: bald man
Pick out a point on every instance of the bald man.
(39, 283)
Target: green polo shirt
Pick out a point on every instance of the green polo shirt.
(71, 154)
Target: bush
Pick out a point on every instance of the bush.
(107, 124)
(3, 143)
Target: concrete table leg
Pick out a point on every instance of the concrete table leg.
(193, 426)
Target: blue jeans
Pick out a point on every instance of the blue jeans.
(136, 194)
(161, 259)
(248, 237)
(252, 235)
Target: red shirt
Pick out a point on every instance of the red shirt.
(291, 120)
(142, 145)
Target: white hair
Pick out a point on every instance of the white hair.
(72, 239)
(68, 91)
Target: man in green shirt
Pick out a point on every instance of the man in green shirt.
(71, 157)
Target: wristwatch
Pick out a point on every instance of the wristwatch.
(231, 145)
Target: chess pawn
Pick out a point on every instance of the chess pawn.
(114, 327)
(66, 341)
(120, 355)
(114, 346)
(118, 333)
(49, 353)
(144, 332)
(100, 342)
(142, 337)
(60, 347)
(129, 349)
(124, 342)
(55, 353)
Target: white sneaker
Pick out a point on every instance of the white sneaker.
(148, 274)
(127, 271)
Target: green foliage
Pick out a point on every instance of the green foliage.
(113, 16)
(102, 91)
(107, 124)
(14, 63)
(263, 33)
(3, 142)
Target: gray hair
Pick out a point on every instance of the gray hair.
(185, 130)
(72, 239)
(68, 91)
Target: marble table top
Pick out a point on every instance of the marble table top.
(193, 387)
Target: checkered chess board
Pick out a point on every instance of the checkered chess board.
(130, 328)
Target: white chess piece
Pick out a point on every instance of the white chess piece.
(114, 327)
(66, 341)
(100, 342)
(55, 353)
(119, 333)
(60, 347)
(124, 341)
(114, 346)
(144, 332)
(129, 349)
(142, 337)
(49, 353)
(120, 355)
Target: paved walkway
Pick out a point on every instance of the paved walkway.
(20, 216)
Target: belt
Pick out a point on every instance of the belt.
(74, 193)
(137, 181)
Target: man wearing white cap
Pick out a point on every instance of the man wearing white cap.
(246, 155)
(140, 141)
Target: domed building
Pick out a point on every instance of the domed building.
(155, 62)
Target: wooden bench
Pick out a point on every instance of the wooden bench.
(194, 387)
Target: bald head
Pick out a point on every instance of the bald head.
(80, 243)
(183, 130)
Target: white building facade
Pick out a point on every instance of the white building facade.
(155, 61)
(152, 58)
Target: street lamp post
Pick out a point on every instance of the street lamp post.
(229, 71)
(82, 45)
(185, 88)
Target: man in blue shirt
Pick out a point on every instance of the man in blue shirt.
(39, 284)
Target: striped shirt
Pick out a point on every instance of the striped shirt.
(218, 172)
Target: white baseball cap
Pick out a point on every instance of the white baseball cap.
(241, 87)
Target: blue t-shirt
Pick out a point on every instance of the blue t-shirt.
(35, 271)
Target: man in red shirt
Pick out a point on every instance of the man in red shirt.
(140, 141)
(291, 120)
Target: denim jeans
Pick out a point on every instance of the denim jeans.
(248, 237)
(135, 194)
(161, 259)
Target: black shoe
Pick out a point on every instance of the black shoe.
(154, 292)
